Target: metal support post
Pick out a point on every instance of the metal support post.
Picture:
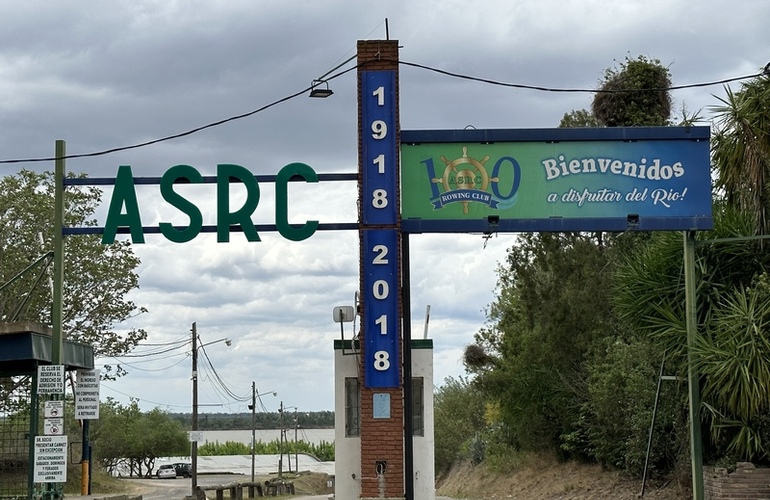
(696, 448)
(253, 425)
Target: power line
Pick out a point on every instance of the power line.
(221, 383)
(133, 365)
(766, 72)
(151, 353)
(579, 90)
(163, 344)
(180, 134)
(142, 399)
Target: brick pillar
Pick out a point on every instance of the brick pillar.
(382, 439)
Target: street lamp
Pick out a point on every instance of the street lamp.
(317, 91)
(315, 88)
(194, 436)
(253, 408)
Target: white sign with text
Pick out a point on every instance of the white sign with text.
(50, 459)
(87, 395)
(50, 379)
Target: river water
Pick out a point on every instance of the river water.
(314, 436)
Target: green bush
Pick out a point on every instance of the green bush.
(458, 415)
(615, 420)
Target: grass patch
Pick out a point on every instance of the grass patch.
(101, 482)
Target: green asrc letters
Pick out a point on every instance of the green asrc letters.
(188, 173)
(124, 195)
(242, 216)
(282, 202)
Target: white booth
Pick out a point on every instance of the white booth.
(347, 415)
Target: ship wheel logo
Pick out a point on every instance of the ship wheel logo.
(465, 180)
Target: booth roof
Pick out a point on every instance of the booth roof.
(25, 346)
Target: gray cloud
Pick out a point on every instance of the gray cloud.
(104, 75)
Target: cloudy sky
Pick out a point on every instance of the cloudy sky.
(102, 75)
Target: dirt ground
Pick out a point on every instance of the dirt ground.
(308, 485)
(536, 478)
(546, 478)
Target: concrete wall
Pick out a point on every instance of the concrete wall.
(348, 450)
(424, 472)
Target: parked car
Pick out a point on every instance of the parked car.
(183, 469)
(166, 472)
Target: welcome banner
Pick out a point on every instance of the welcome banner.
(613, 179)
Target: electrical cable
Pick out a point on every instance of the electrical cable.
(174, 344)
(133, 365)
(261, 404)
(574, 90)
(221, 382)
(164, 344)
(204, 376)
(153, 360)
(150, 353)
(765, 72)
(180, 134)
(102, 384)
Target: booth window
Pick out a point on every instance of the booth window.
(418, 407)
(352, 407)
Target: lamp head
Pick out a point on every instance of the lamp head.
(321, 92)
(228, 342)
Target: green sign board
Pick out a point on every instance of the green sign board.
(558, 179)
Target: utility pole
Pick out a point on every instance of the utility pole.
(280, 445)
(194, 444)
(55, 491)
(253, 424)
(296, 448)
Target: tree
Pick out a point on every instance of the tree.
(552, 330)
(578, 118)
(635, 94)
(615, 418)
(733, 314)
(124, 435)
(552, 306)
(159, 436)
(97, 278)
(113, 435)
(732, 342)
(459, 418)
(741, 150)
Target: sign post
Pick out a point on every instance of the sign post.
(382, 403)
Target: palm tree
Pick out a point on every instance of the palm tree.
(741, 149)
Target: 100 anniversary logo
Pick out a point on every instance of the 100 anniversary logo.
(465, 180)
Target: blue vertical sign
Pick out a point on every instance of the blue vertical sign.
(381, 251)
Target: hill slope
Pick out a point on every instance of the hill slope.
(545, 478)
